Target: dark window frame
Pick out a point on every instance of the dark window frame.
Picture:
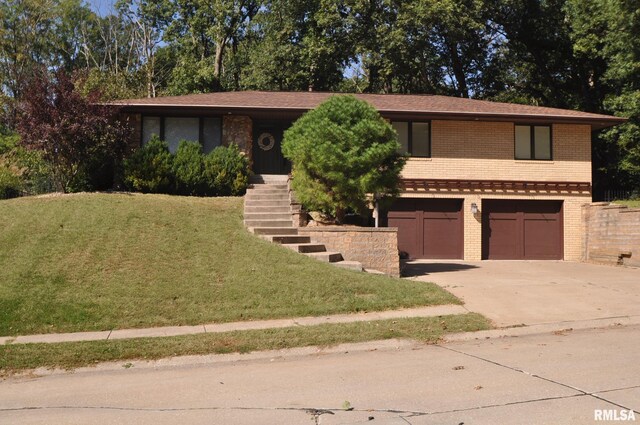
(410, 136)
(200, 118)
(532, 142)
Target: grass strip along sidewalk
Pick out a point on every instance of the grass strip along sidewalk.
(15, 358)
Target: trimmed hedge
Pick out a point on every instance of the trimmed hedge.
(153, 169)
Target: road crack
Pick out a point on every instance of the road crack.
(533, 375)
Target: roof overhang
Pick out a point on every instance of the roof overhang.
(182, 109)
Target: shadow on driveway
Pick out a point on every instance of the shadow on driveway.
(412, 268)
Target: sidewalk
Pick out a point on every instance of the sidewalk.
(439, 310)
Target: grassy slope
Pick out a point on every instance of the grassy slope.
(630, 203)
(102, 261)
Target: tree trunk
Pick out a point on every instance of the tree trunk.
(458, 69)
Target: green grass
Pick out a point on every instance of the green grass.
(635, 203)
(106, 261)
(70, 355)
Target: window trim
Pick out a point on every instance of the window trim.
(410, 136)
(532, 142)
(200, 118)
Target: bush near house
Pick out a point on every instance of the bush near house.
(81, 140)
(342, 152)
(226, 171)
(21, 171)
(150, 168)
(10, 183)
(188, 169)
(153, 169)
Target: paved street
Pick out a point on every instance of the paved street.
(551, 378)
(533, 292)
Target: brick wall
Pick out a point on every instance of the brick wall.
(477, 150)
(375, 248)
(611, 234)
(238, 129)
(480, 150)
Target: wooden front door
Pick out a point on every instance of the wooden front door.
(267, 147)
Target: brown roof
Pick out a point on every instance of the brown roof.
(432, 105)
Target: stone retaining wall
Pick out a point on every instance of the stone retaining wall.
(611, 234)
(375, 248)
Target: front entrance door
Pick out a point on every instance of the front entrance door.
(267, 152)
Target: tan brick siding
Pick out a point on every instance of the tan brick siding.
(476, 150)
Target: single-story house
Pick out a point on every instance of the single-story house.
(485, 180)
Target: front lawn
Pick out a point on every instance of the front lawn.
(104, 261)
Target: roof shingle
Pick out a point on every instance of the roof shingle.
(391, 103)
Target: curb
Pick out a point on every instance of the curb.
(544, 328)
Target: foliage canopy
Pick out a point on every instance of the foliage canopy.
(342, 152)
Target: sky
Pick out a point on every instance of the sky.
(102, 7)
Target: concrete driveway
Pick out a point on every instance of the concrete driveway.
(534, 292)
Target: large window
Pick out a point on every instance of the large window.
(206, 130)
(414, 137)
(533, 142)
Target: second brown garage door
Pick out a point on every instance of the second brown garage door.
(522, 230)
(428, 228)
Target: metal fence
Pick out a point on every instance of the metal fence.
(619, 194)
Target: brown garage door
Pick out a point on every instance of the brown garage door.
(522, 230)
(428, 228)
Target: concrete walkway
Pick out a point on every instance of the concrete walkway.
(439, 310)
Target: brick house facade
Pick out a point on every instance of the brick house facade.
(472, 190)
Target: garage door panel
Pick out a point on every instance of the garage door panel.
(428, 228)
(407, 233)
(522, 230)
(541, 239)
(442, 237)
(504, 242)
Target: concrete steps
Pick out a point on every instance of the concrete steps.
(287, 239)
(267, 203)
(253, 196)
(248, 209)
(305, 248)
(267, 214)
(273, 230)
(328, 257)
(351, 265)
(268, 223)
(268, 179)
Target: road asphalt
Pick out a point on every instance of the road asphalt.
(561, 377)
